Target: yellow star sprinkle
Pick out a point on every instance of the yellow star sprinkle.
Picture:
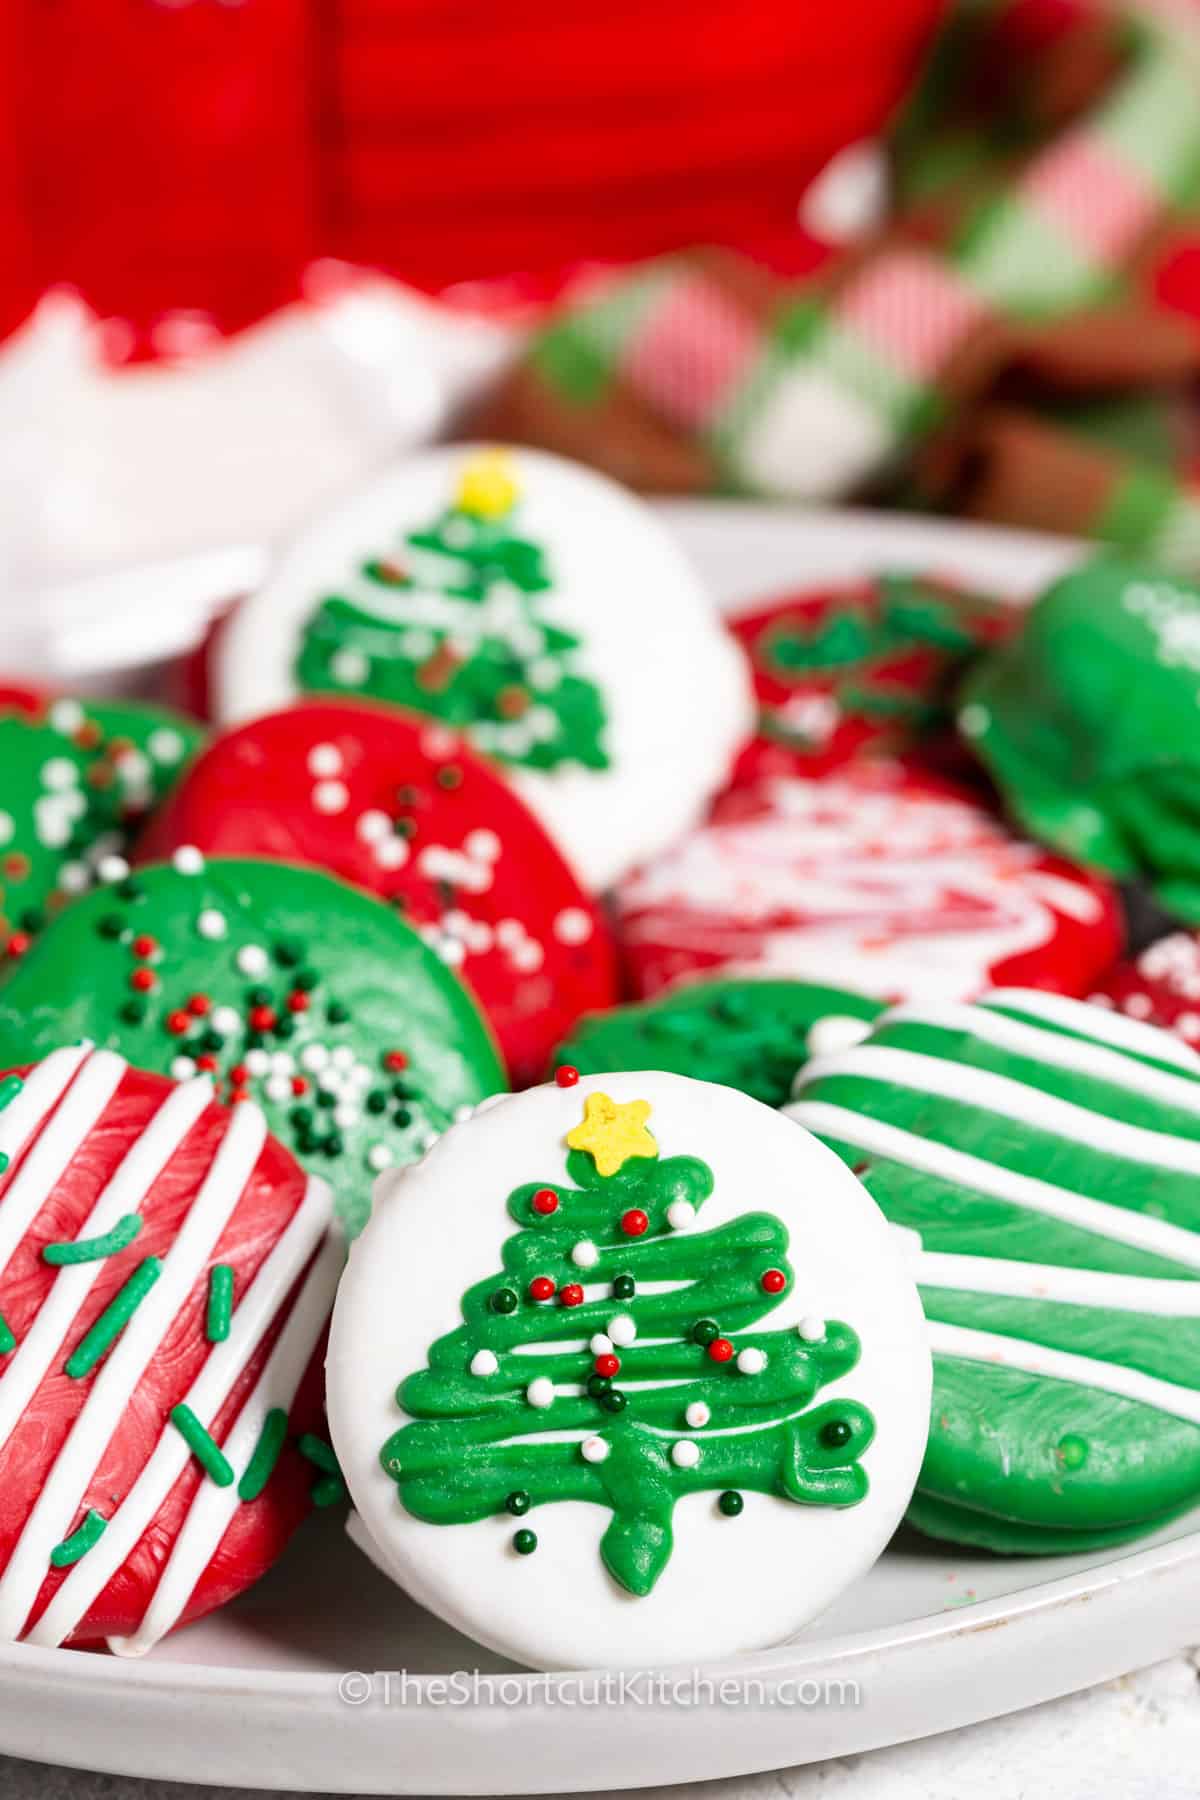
(487, 487)
(612, 1132)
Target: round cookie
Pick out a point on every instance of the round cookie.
(288, 986)
(1087, 723)
(535, 606)
(867, 667)
(623, 1363)
(874, 879)
(750, 1035)
(77, 780)
(399, 806)
(1160, 986)
(1041, 1157)
(166, 1275)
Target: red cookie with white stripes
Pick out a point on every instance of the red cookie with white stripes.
(400, 806)
(875, 879)
(166, 1273)
(1161, 986)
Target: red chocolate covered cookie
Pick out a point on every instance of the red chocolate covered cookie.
(875, 880)
(868, 667)
(1161, 985)
(398, 805)
(166, 1271)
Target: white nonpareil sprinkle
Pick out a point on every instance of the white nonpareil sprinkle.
(594, 1449)
(811, 1329)
(484, 1362)
(112, 868)
(325, 759)
(585, 1254)
(187, 860)
(211, 923)
(331, 796)
(697, 1414)
(622, 1329)
(751, 1361)
(380, 1157)
(685, 1454)
(681, 1214)
(252, 959)
(601, 1344)
(540, 1391)
(226, 1020)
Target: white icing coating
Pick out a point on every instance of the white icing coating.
(1064, 1365)
(1112, 1027)
(255, 1311)
(403, 1290)
(96, 1081)
(674, 721)
(114, 1384)
(836, 1031)
(1170, 1299)
(214, 1507)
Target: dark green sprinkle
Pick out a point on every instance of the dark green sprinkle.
(704, 1331)
(449, 776)
(129, 889)
(210, 1041)
(597, 1385)
(377, 1102)
(328, 1491)
(337, 1013)
(288, 952)
(836, 1434)
(525, 1542)
(111, 925)
(731, 1503)
(406, 828)
(518, 1503)
(408, 795)
(334, 1144)
(202, 1445)
(326, 1099)
(8, 1342)
(624, 1287)
(220, 1303)
(93, 1249)
(113, 1320)
(32, 919)
(402, 1117)
(305, 980)
(316, 1451)
(614, 1401)
(259, 996)
(79, 1543)
(261, 1466)
(401, 1090)
(301, 1117)
(285, 1026)
(133, 1012)
(502, 1300)
(255, 1040)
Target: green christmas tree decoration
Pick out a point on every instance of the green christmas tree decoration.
(637, 1408)
(452, 623)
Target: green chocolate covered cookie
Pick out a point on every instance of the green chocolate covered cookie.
(751, 1035)
(287, 986)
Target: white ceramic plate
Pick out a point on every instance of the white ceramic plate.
(301, 1684)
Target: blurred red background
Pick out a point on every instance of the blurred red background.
(199, 154)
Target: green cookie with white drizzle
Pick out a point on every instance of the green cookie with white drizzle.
(1042, 1157)
(626, 1359)
(751, 1035)
(77, 780)
(287, 986)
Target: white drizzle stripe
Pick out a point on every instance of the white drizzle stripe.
(1064, 1365)
(67, 1482)
(24, 1371)
(224, 1365)
(958, 1168)
(1040, 1045)
(213, 1508)
(1048, 1281)
(949, 1080)
(1117, 1029)
(47, 1161)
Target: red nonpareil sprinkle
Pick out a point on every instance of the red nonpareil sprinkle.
(261, 1018)
(395, 1060)
(298, 1002)
(772, 1281)
(571, 1294)
(545, 1202)
(299, 1085)
(635, 1223)
(608, 1365)
(143, 980)
(238, 1095)
(541, 1288)
(566, 1075)
(199, 1006)
(721, 1350)
(239, 1074)
(178, 1023)
(18, 943)
(144, 946)
(207, 1062)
